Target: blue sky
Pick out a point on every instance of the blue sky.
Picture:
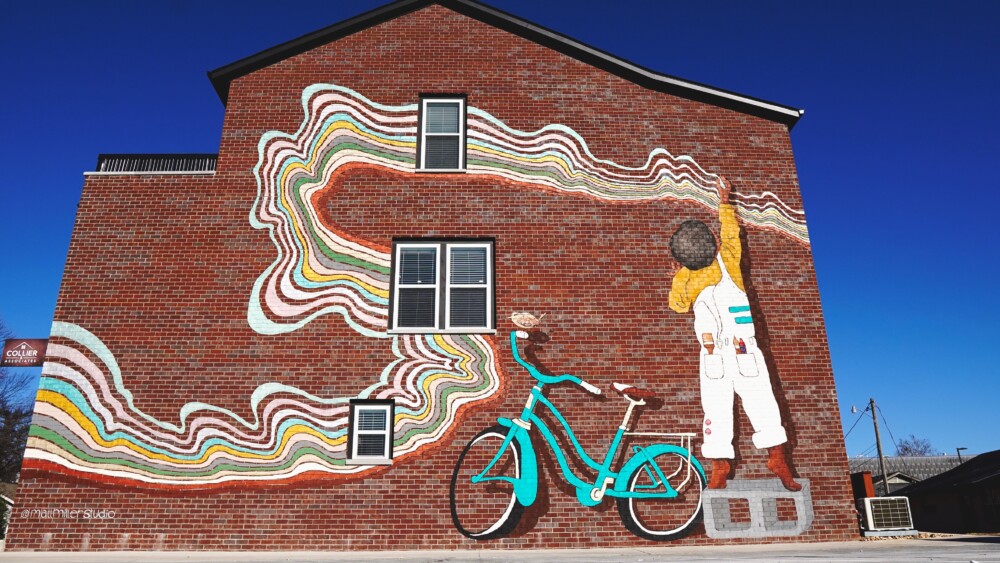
(895, 156)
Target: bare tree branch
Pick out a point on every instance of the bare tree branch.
(15, 417)
(913, 446)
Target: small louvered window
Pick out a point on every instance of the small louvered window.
(371, 432)
(442, 135)
(443, 287)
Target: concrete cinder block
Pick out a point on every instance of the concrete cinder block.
(762, 495)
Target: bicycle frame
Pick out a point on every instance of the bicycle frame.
(589, 494)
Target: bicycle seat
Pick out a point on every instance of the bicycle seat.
(632, 392)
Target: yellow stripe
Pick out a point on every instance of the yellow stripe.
(463, 367)
(62, 403)
(579, 174)
(308, 271)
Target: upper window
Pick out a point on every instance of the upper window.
(443, 286)
(442, 134)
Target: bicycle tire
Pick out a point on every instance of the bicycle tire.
(484, 511)
(664, 519)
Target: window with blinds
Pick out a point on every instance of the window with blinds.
(467, 286)
(417, 287)
(442, 286)
(370, 440)
(442, 134)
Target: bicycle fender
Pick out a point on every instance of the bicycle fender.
(646, 454)
(526, 487)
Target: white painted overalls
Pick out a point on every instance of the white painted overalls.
(723, 310)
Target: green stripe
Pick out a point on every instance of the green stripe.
(482, 365)
(57, 439)
(295, 195)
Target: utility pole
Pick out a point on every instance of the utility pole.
(878, 444)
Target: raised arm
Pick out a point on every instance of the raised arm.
(731, 248)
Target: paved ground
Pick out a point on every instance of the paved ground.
(942, 549)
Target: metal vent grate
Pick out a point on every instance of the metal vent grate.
(887, 513)
(139, 163)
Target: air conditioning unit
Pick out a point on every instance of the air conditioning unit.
(885, 513)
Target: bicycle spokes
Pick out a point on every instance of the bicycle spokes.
(652, 513)
(658, 489)
(483, 503)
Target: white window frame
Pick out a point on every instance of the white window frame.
(448, 286)
(388, 407)
(443, 286)
(436, 285)
(424, 134)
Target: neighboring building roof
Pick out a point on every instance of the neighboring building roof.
(916, 467)
(900, 477)
(221, 77)
(984, 469)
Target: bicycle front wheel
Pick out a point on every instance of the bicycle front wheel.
(488, 509)
(663, 519)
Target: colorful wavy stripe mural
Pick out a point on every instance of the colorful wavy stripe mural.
(320, 270)
(87, 424)
(86, 421)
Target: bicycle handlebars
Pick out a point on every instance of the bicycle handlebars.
(591, 388)
(546, 379)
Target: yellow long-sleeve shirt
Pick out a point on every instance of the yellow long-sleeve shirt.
(688, 284)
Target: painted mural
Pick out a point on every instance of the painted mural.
(318, 269)
(710, 285)
(87, 424)
(660, 487)
(657, 486)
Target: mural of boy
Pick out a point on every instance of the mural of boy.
(710, 284)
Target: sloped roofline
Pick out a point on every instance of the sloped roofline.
(223, 76)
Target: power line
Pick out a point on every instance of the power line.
(894, 443)
(864, 453)
(862, 461)
(861, 414)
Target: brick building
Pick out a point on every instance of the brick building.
(290, 346)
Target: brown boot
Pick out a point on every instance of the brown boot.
(778, 464)
(720, 474)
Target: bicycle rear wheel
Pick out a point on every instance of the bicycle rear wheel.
(486, 510)
(664, 519)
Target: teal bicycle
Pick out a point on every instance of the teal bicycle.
(658, 488)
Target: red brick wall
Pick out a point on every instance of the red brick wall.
(161, 268)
